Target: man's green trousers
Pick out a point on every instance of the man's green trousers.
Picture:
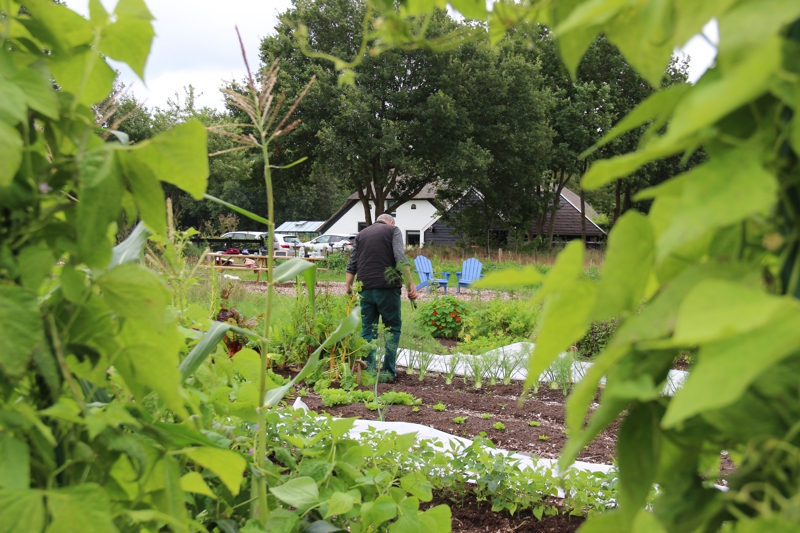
(383, 304)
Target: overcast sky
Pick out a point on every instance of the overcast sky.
(196, 44)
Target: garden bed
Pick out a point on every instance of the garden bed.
(500, 402)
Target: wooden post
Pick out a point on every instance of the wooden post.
(499, 255)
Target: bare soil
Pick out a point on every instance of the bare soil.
(472, 516)
(500, 402)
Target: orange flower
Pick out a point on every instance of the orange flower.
(452, 314)
(434, 313)
(458, 319)
(440, 327)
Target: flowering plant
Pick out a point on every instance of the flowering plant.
(443, 317)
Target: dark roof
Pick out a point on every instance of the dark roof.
(567, 222)
(575, 200)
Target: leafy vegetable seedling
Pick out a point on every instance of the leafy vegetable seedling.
(543, 437)
(486, 416)
(460, 419)
(499, 426)
(534, 424)
(439, 407)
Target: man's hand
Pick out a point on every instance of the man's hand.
(412, 292)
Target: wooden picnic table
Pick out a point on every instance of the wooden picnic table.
(220, 261)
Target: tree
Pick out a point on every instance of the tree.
(504, 140)
(123, 112)
(605, 90)
(386, 135)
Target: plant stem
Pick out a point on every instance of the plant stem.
(62, 363)
(261, 444)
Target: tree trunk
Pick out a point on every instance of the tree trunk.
(583, 205)
(380, 201)
(617, 198)
(556, 202)
(364, 198)
(626, 203)
(541, 223)
(583, 218)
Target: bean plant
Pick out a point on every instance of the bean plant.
(119, 410)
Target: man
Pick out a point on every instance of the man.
(379, 249)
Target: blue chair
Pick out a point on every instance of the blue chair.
(424, 269)
(470, 272)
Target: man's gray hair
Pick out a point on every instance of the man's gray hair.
(386, 217)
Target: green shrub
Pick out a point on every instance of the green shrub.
(502, 320)
(335, 262)
(596, 338)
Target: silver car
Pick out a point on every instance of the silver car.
(281, 242)
(331, 242)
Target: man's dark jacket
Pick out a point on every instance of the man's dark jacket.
(374, 255)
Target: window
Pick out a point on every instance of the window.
(413, 206)
(412, 238)
(361, 225)
(323, 240)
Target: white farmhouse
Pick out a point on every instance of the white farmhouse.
(412, 217)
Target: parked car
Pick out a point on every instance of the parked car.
(243, 235)
(284, 242)
(330, 242)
